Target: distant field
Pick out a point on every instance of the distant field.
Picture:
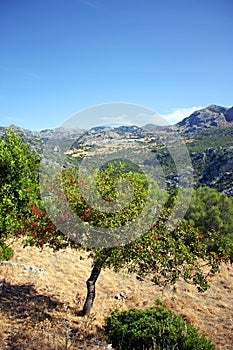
(39, 311)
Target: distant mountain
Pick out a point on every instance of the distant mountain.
(211, 116)
(103, 134)
(208, 134)
(58, 137)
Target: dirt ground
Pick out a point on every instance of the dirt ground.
(40, 310)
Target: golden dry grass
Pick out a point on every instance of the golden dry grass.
(39, 311)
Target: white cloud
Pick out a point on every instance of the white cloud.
(179, 114)
(155, 118)
(147, 118)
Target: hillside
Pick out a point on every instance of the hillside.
(211, 153)
(208, 134)
(39, 311)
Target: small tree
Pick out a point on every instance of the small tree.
(166, 252)
(211, 210)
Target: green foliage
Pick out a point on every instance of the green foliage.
(213, 137)
(6, 252)
(18, 185)
(165, 255)
(153, 329)
(126, 192)
(106, 184)
(166, 252)
(211, 211)
(18, 181)
(122, 166)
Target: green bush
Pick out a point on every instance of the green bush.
(6, 253)
(155, 328)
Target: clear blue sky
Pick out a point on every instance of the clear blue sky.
(58, 57)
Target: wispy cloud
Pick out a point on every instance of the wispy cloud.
(179, 114)
(156, 118)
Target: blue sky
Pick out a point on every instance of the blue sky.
(58, 57)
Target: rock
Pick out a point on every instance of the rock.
(108, 347)
(97, 342)
(229, 115)
(23, 267)
(120, 295)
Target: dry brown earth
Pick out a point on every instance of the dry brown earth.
(39, 311)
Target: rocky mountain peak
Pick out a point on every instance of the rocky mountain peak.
(216, 109)
(211, 116)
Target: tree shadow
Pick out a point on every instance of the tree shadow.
(22, 301)
(41, 322)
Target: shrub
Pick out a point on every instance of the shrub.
(155, 328)
(6, 253)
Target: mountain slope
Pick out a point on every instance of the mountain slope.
(211, 116)
(211, 152)
(208, 134)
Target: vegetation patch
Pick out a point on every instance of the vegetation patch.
(153, 329)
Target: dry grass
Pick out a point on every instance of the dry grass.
(39, 311)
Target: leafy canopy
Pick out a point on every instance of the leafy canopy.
(18, 185)
(166, 252)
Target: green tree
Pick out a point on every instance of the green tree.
(166, 252)
(211, 210)
(18, 186)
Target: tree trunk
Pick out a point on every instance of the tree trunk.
(90, 291)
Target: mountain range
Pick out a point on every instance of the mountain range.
(208, 134)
